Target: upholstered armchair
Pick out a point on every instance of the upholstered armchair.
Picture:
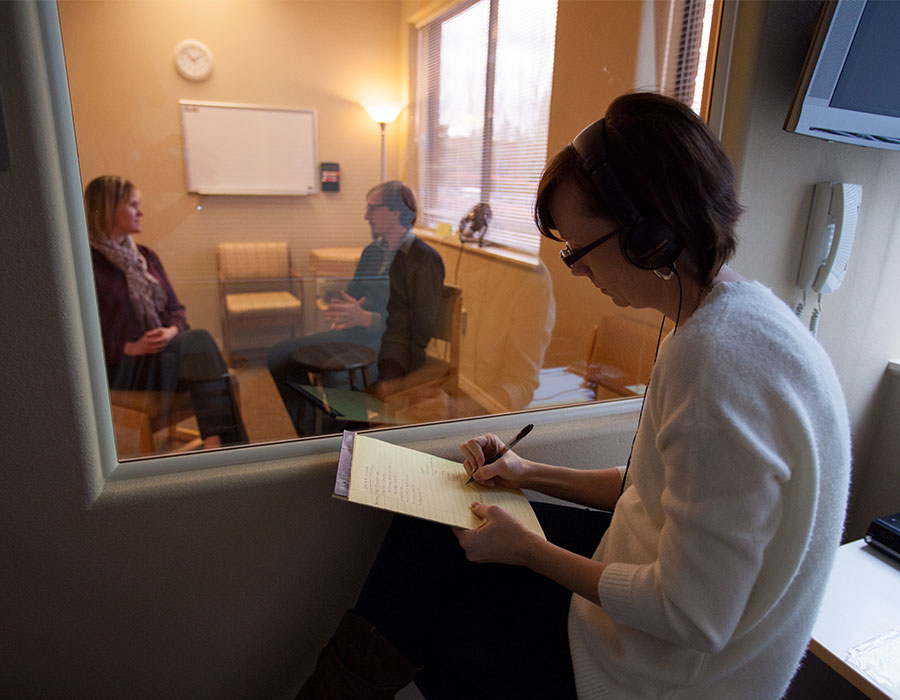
(257, 289)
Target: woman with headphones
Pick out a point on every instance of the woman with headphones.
(698, 570)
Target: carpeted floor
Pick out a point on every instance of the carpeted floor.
(263, 411)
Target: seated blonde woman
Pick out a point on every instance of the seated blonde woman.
(147, 341)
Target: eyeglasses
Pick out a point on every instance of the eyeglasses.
(570, 257)
(372, 207)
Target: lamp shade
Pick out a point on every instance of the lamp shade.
(383, 112)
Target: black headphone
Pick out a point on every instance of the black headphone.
(648, 242)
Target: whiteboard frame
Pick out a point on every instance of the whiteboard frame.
(230, 190)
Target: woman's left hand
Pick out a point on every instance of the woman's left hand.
(500, 538)
(504, 540)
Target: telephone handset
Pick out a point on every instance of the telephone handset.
(829, 236)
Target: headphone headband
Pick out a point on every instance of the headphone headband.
(591, 147)
(649, 243)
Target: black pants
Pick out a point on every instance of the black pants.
(191, 362)
(478, 630)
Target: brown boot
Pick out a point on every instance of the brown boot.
(357, 664)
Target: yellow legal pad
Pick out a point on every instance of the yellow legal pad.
(375, 473)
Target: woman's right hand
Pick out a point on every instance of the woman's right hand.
(510, 471)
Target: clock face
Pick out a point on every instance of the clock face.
(193, 60)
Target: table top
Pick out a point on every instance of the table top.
(861, 603)
(334, 262)
(334, 357)
(345, 253)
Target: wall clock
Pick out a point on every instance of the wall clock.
(193, 60)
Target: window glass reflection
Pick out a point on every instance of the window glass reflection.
(331, 310)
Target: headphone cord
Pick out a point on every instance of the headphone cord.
(680, 300)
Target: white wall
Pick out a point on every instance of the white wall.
(777, 171)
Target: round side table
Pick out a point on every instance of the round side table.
(337, 357)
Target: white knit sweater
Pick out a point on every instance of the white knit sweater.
(721, 545)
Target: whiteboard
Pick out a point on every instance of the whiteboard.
(244, 149)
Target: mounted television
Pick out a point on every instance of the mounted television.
(849, 90)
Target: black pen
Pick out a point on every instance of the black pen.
(506, 448)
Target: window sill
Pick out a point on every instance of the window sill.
(316, 459)
(506, 254)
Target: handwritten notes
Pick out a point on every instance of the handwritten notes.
(414, 483)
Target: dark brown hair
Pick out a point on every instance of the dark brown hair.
(670, 165)
(397, 196)
(101, 197)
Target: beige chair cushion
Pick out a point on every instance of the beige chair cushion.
(245, 261)
(258, 303)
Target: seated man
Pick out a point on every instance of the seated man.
(391, 305)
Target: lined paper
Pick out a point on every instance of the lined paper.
(407, 481)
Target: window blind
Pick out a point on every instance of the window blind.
(689, 34)
(485, 73)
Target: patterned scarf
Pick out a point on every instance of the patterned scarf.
(145, 293)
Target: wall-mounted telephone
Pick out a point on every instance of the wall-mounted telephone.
(829, 236)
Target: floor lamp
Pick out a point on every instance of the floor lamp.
(383, 114)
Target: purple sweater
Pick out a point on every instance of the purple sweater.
(118, 323)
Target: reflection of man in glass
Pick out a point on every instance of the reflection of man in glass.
(391, 304)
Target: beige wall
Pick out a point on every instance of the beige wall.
(326, 56)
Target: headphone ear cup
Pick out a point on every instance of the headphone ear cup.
(651, 244)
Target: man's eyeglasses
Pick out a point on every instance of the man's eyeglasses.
(570, 257)
(372, 207)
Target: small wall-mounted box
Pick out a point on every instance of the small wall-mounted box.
(331, 177)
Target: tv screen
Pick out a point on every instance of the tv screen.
(870, 79)
(849, 90)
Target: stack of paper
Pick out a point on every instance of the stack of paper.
(398, 479)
